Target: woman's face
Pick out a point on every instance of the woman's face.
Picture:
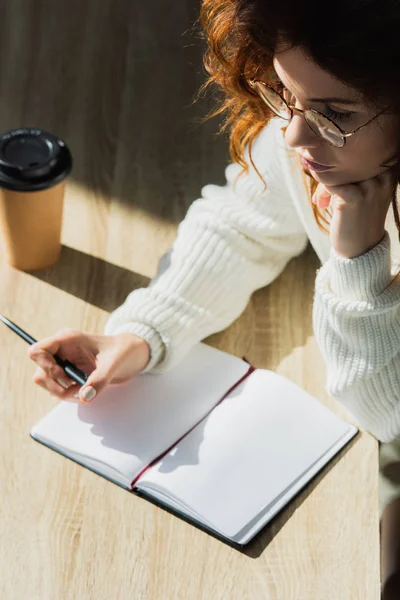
(364, 152)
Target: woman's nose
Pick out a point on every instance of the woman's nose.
(299, 134)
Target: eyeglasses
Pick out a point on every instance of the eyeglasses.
(317, 122)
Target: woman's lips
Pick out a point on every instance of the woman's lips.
(314, 166)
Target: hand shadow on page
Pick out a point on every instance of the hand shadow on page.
(135, 433)
(186, 452)
(138, 433)
(203, 433)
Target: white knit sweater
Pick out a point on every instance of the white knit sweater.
(239, 237)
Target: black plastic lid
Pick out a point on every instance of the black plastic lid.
(32, 159)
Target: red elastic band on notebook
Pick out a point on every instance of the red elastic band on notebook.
(143, 471)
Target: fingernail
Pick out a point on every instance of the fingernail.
(63, 383)
(314, 199)
(89, 393)
(76, 396)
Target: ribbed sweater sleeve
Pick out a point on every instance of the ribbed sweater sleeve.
(357, 326)
(234, 239)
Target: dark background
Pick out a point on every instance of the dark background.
(117, 80)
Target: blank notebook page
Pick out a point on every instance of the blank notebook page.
(129, 425)
(247, 452)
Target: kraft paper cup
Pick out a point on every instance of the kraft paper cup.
(34, 165)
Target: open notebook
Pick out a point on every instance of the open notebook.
(220, 443)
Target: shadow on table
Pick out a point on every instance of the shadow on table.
(91, 279)
(276, 321)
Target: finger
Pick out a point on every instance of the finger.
(374, 185)
(97, 381)
(321, 196)
(318, 191)
(337, 203)
(88, 355)
(41, 378)
(389, 179)
(347, 190)
(54, 344)
(48, 364)
(324, 200)
(43, 352)
(382, 186)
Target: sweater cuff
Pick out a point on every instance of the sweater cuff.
(150, 335)
(362, 278)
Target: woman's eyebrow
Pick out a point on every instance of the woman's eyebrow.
(331, 99)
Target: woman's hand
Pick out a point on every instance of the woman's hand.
(105, 359)
(358, 212)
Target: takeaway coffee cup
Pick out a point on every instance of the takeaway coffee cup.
(34, 165)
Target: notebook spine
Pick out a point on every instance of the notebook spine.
(160, 456)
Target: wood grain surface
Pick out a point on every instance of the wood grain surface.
(116, 79)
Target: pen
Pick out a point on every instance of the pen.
(69, 368)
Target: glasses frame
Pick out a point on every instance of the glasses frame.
(292, 108)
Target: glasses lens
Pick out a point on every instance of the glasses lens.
(273, 100)
(325, 128)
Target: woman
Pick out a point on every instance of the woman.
(300, 86)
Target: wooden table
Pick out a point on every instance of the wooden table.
(65, 533)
